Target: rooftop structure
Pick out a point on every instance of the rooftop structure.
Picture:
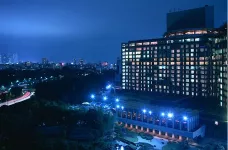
(202, 17)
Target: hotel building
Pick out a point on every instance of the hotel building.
(190, 62)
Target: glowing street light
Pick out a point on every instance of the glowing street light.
(108, 86)
(117, 100)
(163, 114)
(105, 98)
(170, 115)
(92, 96)
(144, 110)
(117, 106)
(150, 112)
(122, 107)
(185, 118)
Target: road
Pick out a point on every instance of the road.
(24, 97)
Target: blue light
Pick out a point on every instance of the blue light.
(122, 107)
(163, 114)
(92, 96)
(150, 112)
(117, 100)
(108, 86)
(170, 115)
(185, 118)
(144, 110)
(105, 98)
(117, 106)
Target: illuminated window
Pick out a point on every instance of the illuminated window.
(138, 52)
(132, 44)
(138, 48)
(197, 39)
(190, 32)
(138, 44)
(154, 43)
(146, 43)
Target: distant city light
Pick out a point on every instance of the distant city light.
(144, 110)
(92, 96)
(105, 98)
(150, 112)
(170, 115)
(72, 63)
(216, 123)
(108, 86)
(117, 106)
(185, 118)
(117, 100)
(122, 107)
(163, 114)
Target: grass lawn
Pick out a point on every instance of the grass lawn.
(172, 146)
(131, 139)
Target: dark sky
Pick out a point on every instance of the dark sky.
(90, 29)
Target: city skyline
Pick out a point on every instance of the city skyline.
(82, 29)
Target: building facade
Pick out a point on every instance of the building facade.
(180, 63)
(220, 65)
(176, 123)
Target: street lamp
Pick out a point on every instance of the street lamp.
(105, 98)
(117, 106)
(144, 110)
(170, 115)
(185, 118)
(117, 100)
(122, 107)
(92, 96)
(163, 114)
(108, 86)
(150, 112)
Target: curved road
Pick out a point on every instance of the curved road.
(24, 97)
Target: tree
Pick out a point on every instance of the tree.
(184, 144)
(219, 147)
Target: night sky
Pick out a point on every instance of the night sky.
(90, 29)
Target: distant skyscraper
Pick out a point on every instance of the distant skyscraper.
(44, 61)
(5, 59)
(75, 61)
(15, 58)
(81, 62)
